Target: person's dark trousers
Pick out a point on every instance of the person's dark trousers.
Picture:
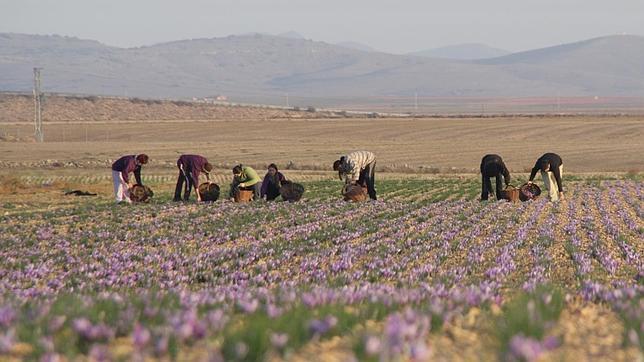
(272, 192)
(368, 177)
(256, 188)
(487, 187)
(188, 187)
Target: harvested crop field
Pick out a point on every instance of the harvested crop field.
(425, 273)
(430, 145)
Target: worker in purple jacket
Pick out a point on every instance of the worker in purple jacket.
(190, 166)
(121, 170)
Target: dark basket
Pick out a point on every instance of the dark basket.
(354, 193)
(140, 193)
(209, 191)
(291, 192)
(510, 193)
(529, 192)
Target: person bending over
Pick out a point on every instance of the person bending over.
(493, 166)
(551, 167)
(121, 170)
(190, 167)
(358, 168)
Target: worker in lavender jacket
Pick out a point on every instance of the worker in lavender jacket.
(190, 166)
(121, 170)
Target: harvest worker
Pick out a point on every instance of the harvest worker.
(121, 170)
(551, 167)
(245, 178)
(493, 166)
(358, 168)
(272, 183)
(190, 166)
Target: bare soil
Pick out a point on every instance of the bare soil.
(586, 144)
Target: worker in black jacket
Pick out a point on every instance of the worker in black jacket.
(551, 167)
(493, 166)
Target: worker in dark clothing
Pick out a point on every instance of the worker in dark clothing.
(551, 167)
(190, 167)
(272, 183)
(121, 170)
(493, 166)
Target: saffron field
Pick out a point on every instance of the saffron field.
(426, 273)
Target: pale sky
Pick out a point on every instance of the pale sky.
(395, 26)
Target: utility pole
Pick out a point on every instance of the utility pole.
(416, 101)
(38, 97)
(287, 100)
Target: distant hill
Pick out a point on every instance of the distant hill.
(469, 51)
(276, 69)
(291, 35)
(356, 46)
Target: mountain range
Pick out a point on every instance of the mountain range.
(469, 51)
(265, 68)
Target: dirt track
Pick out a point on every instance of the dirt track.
(587, 144)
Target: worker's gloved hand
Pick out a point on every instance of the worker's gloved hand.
(529, 182)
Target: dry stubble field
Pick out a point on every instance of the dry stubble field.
(426, 273)
(587, 144)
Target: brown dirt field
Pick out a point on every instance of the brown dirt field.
(587, 144)
(20, 108)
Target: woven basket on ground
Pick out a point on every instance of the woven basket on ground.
(291, 191)
(354, 193)
(244, 195)
(529, 192)
(510, 193)
(209, 191)
(140, 193)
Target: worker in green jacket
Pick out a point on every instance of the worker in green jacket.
(245, 178)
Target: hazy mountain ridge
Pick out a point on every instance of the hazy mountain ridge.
(467, 51)
(258, 66)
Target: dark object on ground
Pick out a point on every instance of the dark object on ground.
(140, 193)
(79, 193)
(354, 193)
(510, 193)
(291, 191)
(243, 195)
(529, 192)
(209, 191)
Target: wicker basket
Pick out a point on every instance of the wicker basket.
(244, 195)
(140, 193)
(291, 192)
(354, 193)
(510, 193)
(209, 191)
(529, 192)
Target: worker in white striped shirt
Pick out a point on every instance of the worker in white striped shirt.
(358, 168)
